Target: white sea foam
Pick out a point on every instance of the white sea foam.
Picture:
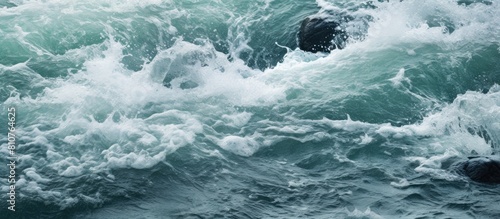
(106, 116)
(241, 146)
(472, 111)
(237, 120)
(99, 106)
(31, 173)
(403, 183)
(368, 213)
(365, 139)
(399, 78)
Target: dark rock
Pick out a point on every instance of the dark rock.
(318, 34)
(481, 169)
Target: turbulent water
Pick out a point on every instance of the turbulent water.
(207, 109)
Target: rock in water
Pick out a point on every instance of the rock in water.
(482, 169)
(321, 35)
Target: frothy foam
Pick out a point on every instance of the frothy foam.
(103, 116)
(108, 117)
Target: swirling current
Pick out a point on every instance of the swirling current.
(208, 109)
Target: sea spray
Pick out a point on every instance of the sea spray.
(105, 119)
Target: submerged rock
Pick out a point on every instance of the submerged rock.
(318, 34)
(469, 2)
(481, 169)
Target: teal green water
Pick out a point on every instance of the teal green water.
(265, 130)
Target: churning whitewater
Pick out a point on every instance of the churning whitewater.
(210, 109)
